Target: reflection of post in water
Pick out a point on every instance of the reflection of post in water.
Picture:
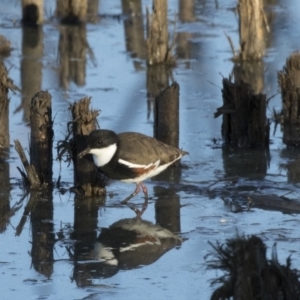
(158, 49)
(72, 54)
(85, 235)
(73, 44)
(71, 11)
(186, 14)
(293, 170)
(252, 28)
(32, 12)
(42, 228)
(31, 66)
(4, 148)
(245, 163)
(134, 29)
(289, 82)
(157, 80)
(167, 209)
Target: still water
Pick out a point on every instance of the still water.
(59, 253)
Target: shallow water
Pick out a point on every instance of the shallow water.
(52, 256)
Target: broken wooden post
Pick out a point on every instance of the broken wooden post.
(32, 12)
(85, 172)
(244, 115)
(5, 83)
(41, 136)
(158, 50)
(71, 12)
(289, 82)
(248, 274)
(4, 149)
(166, 121)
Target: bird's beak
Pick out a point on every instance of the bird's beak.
(84, 152)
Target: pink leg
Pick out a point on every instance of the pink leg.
(145, 190)
(136, 191)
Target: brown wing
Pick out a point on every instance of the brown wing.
(141, 149)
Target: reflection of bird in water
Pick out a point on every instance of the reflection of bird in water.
(130, 156)
(126, 244)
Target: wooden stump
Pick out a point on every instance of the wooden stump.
(85, 172)
(4, 107)
(157, 34)
(166, 123)
(247, 273)
(32, 12)
(244, 115)
(41, 136)
(71, 12)
(5, 209)
(289, 83)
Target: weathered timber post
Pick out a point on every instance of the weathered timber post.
(289, 82)
(166, 126)
(4, 149)
(157, 34)
(249, 274)
(85, 172)
(71, 11)
(41, 136)
(244, 115)
(32, 12)
(4, 107)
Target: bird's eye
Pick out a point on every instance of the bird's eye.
(99, 142)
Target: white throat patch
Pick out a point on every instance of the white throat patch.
(104, 155)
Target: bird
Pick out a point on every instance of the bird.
(130, 157)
